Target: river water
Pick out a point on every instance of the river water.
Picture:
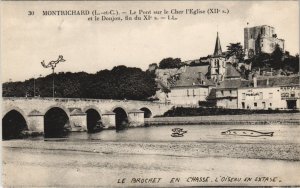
(285, 133)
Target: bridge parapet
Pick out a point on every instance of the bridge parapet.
(104, 107)
(103, 104)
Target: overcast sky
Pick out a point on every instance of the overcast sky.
(92, 46)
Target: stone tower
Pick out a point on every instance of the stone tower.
(218, 49)
(217, 64)
(261, 39)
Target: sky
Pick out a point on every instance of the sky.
(92, 46)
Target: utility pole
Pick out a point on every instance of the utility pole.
(53, 82)
(33, 86)
(53, 64)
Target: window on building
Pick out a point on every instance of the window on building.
(230, 91)
(187, 93)
(270, 104)
(193, 93)
(243, 96)
(270, 95)
(222, 92)
(255, 104)
(243, 105)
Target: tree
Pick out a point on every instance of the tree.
(277, 57)
(152, 67)
(119, 83)
(260, 60)
(235, 49)
(291, 63)
(169, 63)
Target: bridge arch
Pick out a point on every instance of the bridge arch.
(147, 112)
(121, 117)
(58, 106)
(6, 110)
(13, 123)
(93, 118)
(56, 122)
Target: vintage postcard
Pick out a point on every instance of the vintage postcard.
(150, 93)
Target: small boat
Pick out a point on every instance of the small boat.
(178, 132)
(246, 132)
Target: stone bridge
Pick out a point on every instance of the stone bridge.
(37, 114)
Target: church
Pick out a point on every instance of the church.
(189, 85)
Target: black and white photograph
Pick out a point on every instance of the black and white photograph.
(150, 93)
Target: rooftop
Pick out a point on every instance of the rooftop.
(191, 76)
(231, 72)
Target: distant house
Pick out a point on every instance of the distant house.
(227, 93)
(271, 93)
(190, 87)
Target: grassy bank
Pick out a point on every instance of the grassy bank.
(185, 111)
(245, 119)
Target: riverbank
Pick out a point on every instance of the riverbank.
(104, 159)
(117, 164)
(250, 119)
(277, 151)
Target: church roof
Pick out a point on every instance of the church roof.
(231, 72)
(218, 49)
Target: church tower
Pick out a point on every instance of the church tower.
(217, 65)
(218, 49)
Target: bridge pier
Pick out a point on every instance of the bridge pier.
(35, 120)
(136, 118)
(109, 120)
(78, 120)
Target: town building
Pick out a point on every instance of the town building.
(190, 87)
(226, 91)
(261, 39)
(270, 93)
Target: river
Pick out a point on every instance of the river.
(282, 133)
(150, 156)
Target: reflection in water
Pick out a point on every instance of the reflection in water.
(194, 133)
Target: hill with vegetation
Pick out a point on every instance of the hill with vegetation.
(119, 83)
